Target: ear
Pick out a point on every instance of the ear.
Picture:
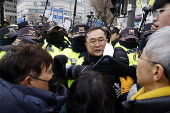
(158, 72)
(86, 44)
(27, 81)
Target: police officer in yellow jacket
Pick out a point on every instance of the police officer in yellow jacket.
(7, 36)
(26, 35)
(54, 39)
(114, 34)
(129, 42)
(77, 47)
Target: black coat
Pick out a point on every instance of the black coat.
(23, 99)
(152, 105)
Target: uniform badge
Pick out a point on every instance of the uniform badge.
(131, 31)
(31, 32)
(51, 23)
(81, 29)
(16, 42)
(11, 30)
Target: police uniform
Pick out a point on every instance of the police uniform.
(77, 48)
(146, 32)
(54, 48)
(26, 34)
(114, 30)
(7, 35)
(129, 33)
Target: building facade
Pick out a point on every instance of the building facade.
(57, 10)
(10, 11)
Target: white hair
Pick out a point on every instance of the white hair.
(158, 48)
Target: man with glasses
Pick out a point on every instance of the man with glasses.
(96, 43)
(161, 13)
(153, 74)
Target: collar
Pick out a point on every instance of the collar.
(142, 94)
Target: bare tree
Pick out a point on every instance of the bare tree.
(103, 6)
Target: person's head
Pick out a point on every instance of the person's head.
(22, 24)
(40, 25)
(27, 64)
(129, 34)
(153, 69)
(129, 38)
(161, 13)
(96, 40)
(91, 93)
(114, 33)
(6, 22)
(106, 27)
(78, 39)
(52, 34)
(7, 35)
(27, 35)
(36, 28)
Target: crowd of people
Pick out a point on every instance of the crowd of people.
(45, 69)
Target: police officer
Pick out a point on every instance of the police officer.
(77, 47)
(40, 25)
(6, 22)
(23, 24)
(54, 39)
(146, 32)
(129, 42)
(7, 36)
(26, 34)
(114, 35)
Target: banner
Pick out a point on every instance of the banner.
(151, 2)
(139, 3)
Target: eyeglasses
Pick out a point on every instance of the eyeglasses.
(158, 11)
(138, 56)
(149, 60)
(94, 42)
(39, 79)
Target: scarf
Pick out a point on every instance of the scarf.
(142, 94)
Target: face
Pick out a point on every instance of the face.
(128, 40)
(96, 42)
(114, 36)
(163, 18)
(144, 71)
(46, 74)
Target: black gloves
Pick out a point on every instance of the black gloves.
(60, 65)
(60, 59)
(114, 67)
(74, 71)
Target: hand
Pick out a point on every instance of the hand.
(60, 59)
(126, 84)
(111, 66)
(59, 65)
(75, 71)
